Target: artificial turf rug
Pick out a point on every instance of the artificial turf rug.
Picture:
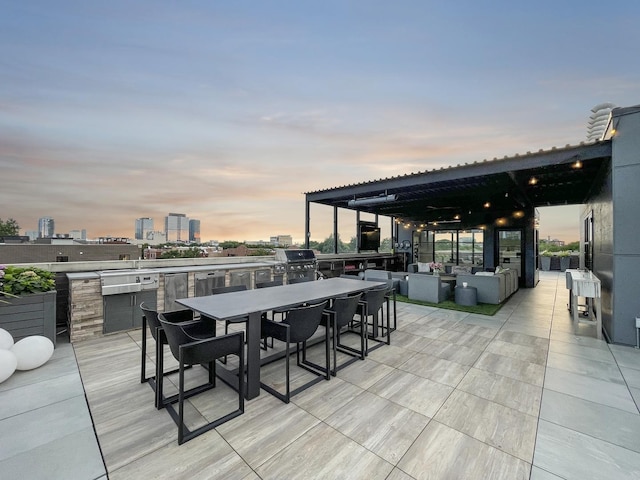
(481, 308)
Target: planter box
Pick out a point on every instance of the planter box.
(33, 314)
(564, 263)
(545, 263)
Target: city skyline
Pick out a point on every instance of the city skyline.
(106, 117)
(140, 222)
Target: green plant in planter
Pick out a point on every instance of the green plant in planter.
(16, 281)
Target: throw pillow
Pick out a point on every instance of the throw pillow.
(423, 267)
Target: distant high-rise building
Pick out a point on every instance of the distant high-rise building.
(598, 121)
(32, 234)
(46, 227)
(194, 230)
(144, 225)
(176, 226)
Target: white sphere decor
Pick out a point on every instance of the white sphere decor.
(6, 340)
(32, 352)
(8, 363)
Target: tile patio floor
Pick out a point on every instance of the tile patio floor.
(456, 396)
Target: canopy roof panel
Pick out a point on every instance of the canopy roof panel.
(560, 176)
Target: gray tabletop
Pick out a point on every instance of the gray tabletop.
(233, 305)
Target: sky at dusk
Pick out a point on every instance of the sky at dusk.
(229, 111)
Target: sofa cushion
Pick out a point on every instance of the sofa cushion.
(484, 274)
(456, 269)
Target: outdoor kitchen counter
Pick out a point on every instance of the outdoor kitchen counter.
(86, 301)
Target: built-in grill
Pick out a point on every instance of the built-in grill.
(299, 263)
(127, 281)
(122, 292)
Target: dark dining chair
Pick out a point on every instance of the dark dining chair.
(340, 317)
(392, 286)
(150, 320)
(291, 281)
(297, 327)
(370, 306)
(229, 289)
(390, 298)
(273, 283)
(190, 347)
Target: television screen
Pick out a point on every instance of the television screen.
(369, 238)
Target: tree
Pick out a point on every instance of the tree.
(326, 246)
(9, 228)
(575, 246)
(261, 252)
(229, 244)
(192, 252)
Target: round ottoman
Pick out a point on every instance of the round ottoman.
(467, 296)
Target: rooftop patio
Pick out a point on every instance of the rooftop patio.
(515, 396)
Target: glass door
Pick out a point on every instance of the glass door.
(510, 250)
(588, 241)
(424, 246)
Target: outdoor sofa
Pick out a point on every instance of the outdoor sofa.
(492, 287)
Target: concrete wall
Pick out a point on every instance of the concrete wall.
(626, 221)
(601, 204)
(616, 225)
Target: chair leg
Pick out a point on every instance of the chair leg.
(336, 334)
(181, 405)
(241, 380)
(327, 355)
(375, 323)
(288, 395)
(226, 331)
(388, 323)
(395, 316)
(159, 373)
(143, 360)
(362, 340)
(184, 434)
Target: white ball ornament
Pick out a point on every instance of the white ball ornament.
(32, 352)
(6, 340)
(8, 363)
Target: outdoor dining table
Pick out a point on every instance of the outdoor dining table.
(249, 305)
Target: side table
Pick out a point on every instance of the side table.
(467, 296)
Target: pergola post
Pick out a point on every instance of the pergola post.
(307, 221)
(335, 229)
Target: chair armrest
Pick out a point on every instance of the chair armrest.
(208, 349)
(198, 330)
(278, 330)
(178, 316)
